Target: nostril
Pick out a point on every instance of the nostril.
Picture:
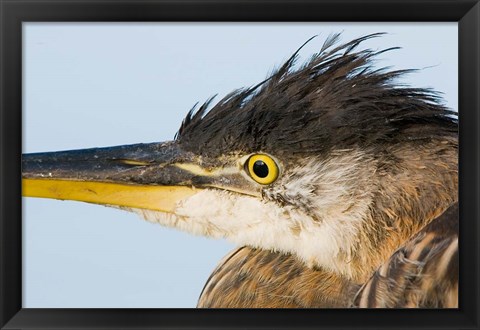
(131, 162)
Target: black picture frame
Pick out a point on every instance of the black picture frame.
(14, 12)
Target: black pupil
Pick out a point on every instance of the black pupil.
(260, 169)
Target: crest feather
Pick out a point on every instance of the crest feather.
(336, 99)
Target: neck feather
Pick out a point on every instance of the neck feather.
(416, 184)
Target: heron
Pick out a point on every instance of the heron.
(338, 185)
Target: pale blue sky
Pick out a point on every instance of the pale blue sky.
(91, 85)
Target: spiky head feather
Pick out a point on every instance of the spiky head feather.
(335, 100)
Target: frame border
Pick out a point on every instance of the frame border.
(14, 12)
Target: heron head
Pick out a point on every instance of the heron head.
(332, 162)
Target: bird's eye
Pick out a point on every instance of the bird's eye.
(262, 168)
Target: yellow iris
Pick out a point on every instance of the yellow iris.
(262, 168)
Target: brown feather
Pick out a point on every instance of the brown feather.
(423, 273)
(253, 278)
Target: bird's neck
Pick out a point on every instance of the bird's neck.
(416, 184)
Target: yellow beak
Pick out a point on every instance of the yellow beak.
(135, 176)
(157, 198)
